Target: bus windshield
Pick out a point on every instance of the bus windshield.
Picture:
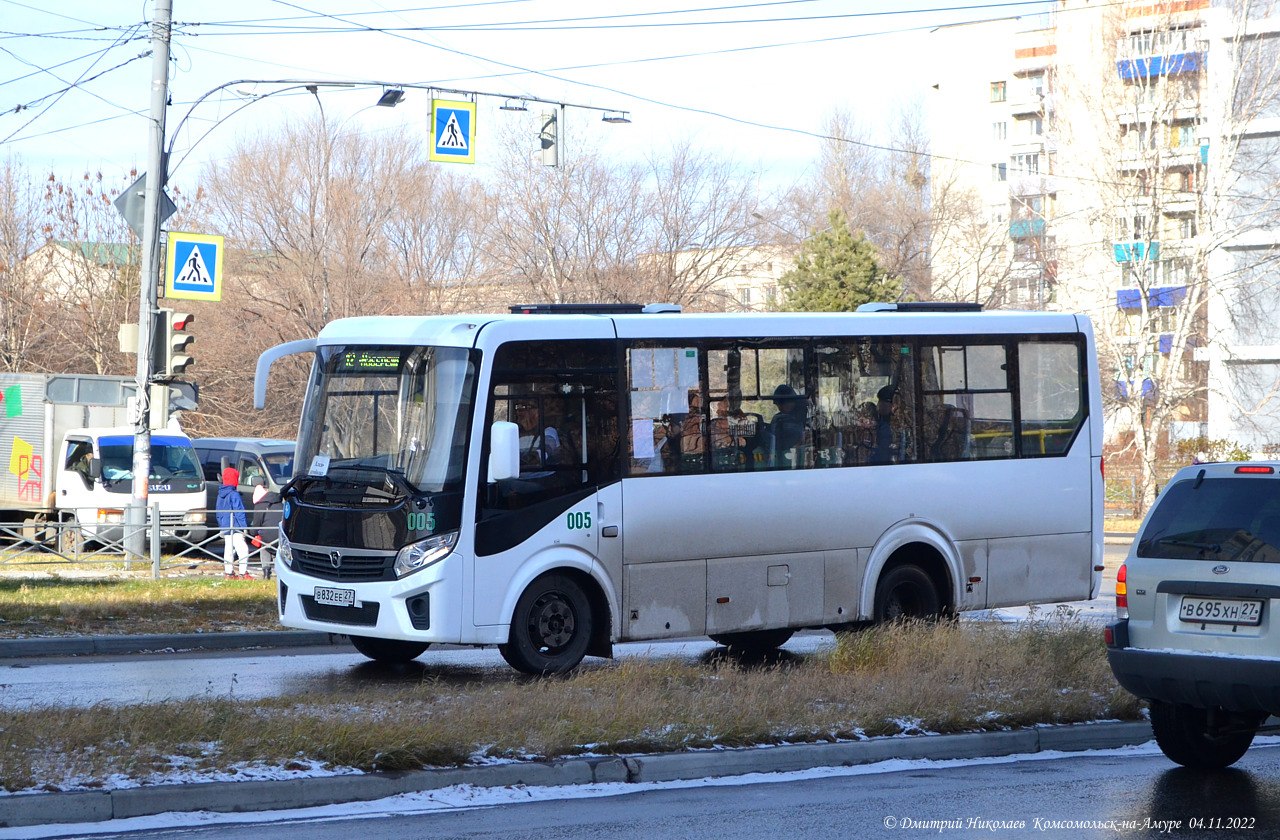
(401, 413)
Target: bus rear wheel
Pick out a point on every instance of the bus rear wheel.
(551, 627)
(754, 641)
(389, 651)
(906, 592)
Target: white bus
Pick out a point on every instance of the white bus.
(559, 479)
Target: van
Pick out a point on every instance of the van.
(259, 460)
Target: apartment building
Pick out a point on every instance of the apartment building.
(1127, 154)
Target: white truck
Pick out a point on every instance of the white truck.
(68, 446)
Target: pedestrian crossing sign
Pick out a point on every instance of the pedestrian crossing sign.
(453, 126)
(194, 267)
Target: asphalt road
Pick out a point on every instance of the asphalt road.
(1134, 795)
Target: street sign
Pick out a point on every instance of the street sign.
(453, 129)
(132, 205)
(194, 270)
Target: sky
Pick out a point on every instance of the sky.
(753, 80)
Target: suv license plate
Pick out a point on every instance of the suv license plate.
(335, 597)
(1220, 611)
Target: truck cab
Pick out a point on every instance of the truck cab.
(95, 483)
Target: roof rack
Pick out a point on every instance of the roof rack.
(923, 306)
(592, 308)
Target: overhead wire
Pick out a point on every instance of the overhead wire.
(535, 25)
(58, 95)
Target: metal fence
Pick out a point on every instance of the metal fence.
(1122, 488)
(40, 541)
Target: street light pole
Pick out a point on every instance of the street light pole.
(136, 512)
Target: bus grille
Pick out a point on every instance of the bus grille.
(351, 568)
(365, 615)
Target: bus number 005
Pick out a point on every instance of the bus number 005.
(578, 521)
(421, 521)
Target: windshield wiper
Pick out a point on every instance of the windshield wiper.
(396, 476)
(1203, 546)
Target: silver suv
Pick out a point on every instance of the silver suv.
(1196, 599)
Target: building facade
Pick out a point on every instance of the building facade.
(1126, 152)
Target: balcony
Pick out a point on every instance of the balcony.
(1160, 65)
(1136, 251)
(1027, 102)
(1022, 228)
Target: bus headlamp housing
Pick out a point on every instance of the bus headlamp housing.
(284, 551)
(417, 556)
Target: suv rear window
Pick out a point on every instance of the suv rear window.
(1216, 519)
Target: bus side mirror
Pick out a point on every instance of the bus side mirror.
(95, 468)
(504, 451)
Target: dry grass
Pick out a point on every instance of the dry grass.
(949, 677)
(50, 606)
(1122, 525)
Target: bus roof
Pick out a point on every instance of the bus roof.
(464, 330)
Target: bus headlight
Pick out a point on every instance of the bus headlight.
(428, 552)
(284, 551)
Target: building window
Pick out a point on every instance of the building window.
(1027, 208)
(1035, 84)
(744, 295)
(1129, 228)
(998, 92)
(999, 131)
(1028, 164)
(1182, 136)
(1184, 228)
(999, 172)
(1033, 127)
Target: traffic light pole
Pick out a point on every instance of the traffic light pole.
(136, 512)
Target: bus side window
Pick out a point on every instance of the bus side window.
(1051, 396)
(562, 395)
(668, 420)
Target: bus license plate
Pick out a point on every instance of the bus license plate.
(1220, 611)
(335, 597)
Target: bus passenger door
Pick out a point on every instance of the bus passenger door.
(564, 508)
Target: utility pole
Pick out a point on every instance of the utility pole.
(157, 174)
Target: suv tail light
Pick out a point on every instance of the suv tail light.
(1122, 592)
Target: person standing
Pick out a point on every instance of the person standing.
(264, 522)
(233, 522)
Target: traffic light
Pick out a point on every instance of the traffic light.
(171, 357)
(549, 138)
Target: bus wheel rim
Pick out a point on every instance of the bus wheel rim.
(552, 621)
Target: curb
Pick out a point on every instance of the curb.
(168, 643)
(289, 794)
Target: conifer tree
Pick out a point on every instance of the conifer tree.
(837, 271)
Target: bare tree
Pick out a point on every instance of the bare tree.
(970, 249)
(23, 328)
(568, 234)
(594, 230)
(321, 223)
(86, 273)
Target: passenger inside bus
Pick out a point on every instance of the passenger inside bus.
(886, 450)
(787, 428)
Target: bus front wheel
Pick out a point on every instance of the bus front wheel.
(906, 592)
(388, 651)
(551, 627)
